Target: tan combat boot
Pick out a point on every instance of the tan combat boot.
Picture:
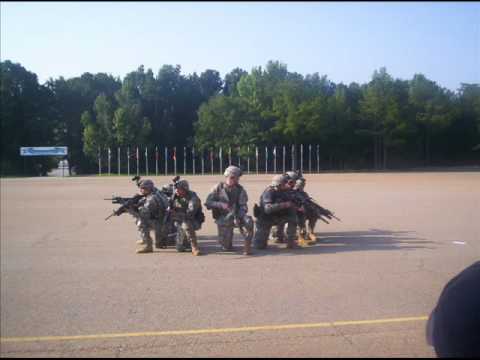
(195, 249)
(146, 249)
(311, 238)
(247, 249)
(301, 239)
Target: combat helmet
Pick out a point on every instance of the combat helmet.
(147, 184)
(279, 179)
(233, 170)
(183, 184)
(294, 175)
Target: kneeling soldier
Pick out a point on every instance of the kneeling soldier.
(275, 209)
(149, 215)
(306, 237)
(228, 202)
(277, 233)
(185, 210)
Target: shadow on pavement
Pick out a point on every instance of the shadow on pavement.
(329, 242)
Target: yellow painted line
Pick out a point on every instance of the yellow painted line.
(213, 331)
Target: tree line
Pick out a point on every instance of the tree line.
(385, 123)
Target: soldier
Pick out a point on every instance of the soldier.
(228, 202)
(163, 240)
(277, 234)
(305, 237)
(275, 209)
(186, 206)
(149, 215)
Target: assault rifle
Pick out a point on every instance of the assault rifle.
(233, 215)
(302, 199)
(126, 202)
(171, 199)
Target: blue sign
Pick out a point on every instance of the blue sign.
(44, 151)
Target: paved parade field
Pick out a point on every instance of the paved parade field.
(73, 286)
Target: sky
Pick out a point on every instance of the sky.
(346, 41)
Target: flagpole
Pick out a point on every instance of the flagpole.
(256, 156)
(156, 160)
(184, 160)
(109, 157)
(146, 161)
(248, 159)
(166, 161)
(193, 159)
(211, 160)
(283, 158)
(301, 158)
(229, 155)
(266, 159)
(239, 159)
(221, 159)
(275, 159)
(310, 158)
(318, 159)
(175, 160)
(293, 157)
(128, 161)
(118, 156)
(138, 159)
(203, 162)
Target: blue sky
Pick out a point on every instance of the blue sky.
(346, 41)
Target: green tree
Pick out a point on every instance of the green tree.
(381, 115)
(72, 98)
(231, 80)
(227, 121)
(433, 108)
(27, 119)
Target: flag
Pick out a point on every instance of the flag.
(174, 156)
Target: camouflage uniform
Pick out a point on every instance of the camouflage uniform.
(149, 216)
(184, 210)
(277, 233)
(236, 198)
(274, 213)
(306, 237)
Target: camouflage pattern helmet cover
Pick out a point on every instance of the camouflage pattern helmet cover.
(233, 170)
(279, 179)
(183, 184)
(147, 184)
(294, 175)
